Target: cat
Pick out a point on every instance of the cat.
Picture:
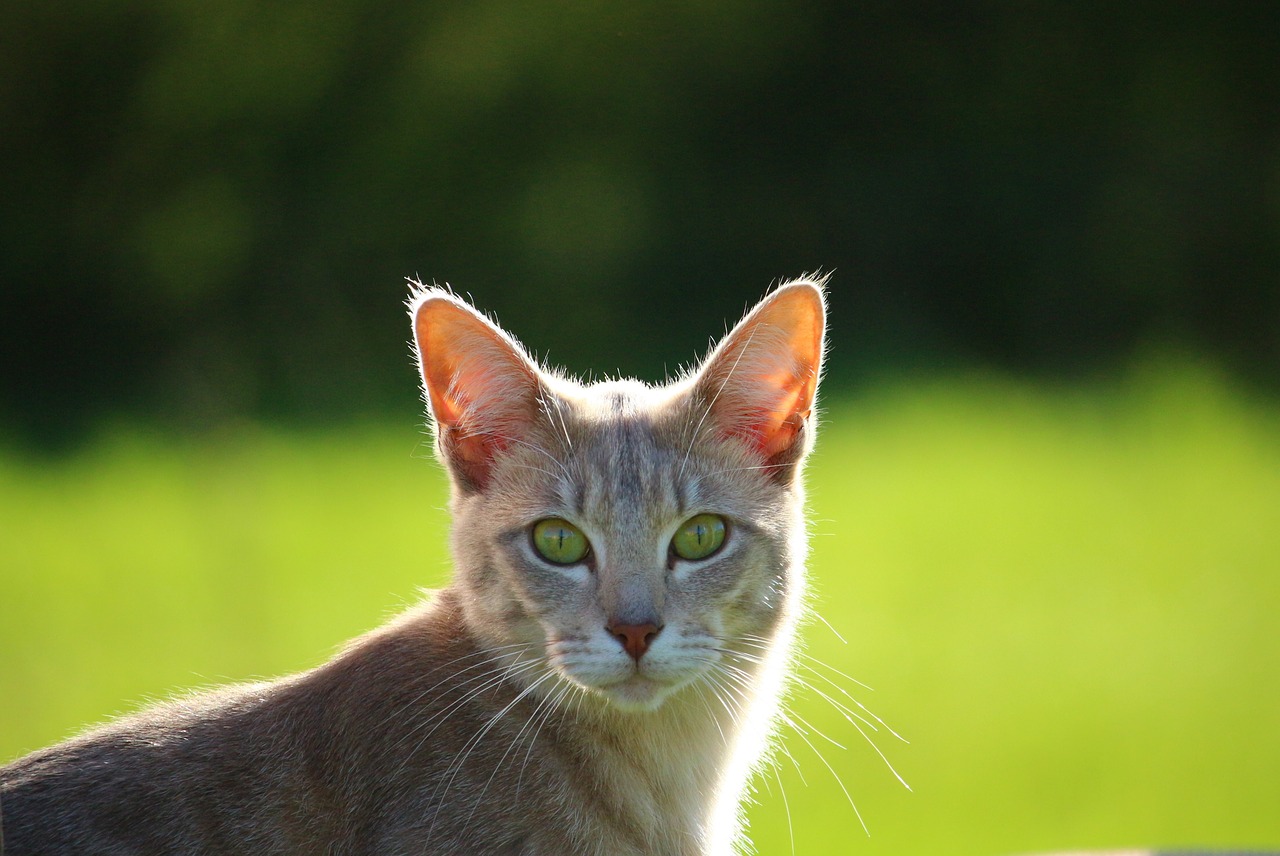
(601, 676)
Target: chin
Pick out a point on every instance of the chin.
(639, 694)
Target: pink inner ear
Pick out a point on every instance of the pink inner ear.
(779, 429)
(481, 388)
(446, 403)
(764, 375)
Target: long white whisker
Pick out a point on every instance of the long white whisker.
(711, 714)
(786, 750)
(800, 731)
(782, 789)
(896, 774)
(558, 704)
(857, 703)
(491, 669)
(547, 701)
(818, 669)
(819, 732)
(455, 766)
(807, 656)
(724, 695)
(454, 675)
(844, 710)
(818, 615)
(492, 679)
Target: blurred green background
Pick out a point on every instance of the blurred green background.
(1047, 491)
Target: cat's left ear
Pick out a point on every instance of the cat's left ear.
(760, 383)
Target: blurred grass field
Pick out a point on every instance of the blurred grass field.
(1067, 600)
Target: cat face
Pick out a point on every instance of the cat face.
(620, 537)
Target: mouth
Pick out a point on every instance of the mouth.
(635, 687)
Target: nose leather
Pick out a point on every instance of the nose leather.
(635, 638)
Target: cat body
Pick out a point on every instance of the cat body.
(347, 759)
(600, 677)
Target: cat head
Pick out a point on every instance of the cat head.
(628, 537)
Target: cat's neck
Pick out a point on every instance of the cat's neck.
(675, 772)
(657, 768)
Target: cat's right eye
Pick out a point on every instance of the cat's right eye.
(560, 542)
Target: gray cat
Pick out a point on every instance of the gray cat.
(602, 676)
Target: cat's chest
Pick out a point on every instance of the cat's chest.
(569, 789)
(650, 792)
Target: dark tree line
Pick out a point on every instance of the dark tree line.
(208, 209)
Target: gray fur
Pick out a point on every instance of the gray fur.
(500, 716)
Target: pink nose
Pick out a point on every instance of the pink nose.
(636, 638)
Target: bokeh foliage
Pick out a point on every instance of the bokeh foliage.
(208, 209)
(1063, 592)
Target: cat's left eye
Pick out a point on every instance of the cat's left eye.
(699, 537)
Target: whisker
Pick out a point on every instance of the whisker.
(491, 679)
(474, 654)
(818, 732)
(896, 774)
(451, 772)
(852, 716)
(786, 750)
(807, 656)
(557, 705)
(782, 789)
(818, 615)
(548, 702)
(857, 703)
(844, 709)
(711, 714)
(492, 669)
(724, 695)
(818, 668)
(800, 731)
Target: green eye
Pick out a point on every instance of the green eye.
(699, 537)
(559, 541)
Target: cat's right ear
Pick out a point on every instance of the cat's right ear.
(760, 382)
(480, 387)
